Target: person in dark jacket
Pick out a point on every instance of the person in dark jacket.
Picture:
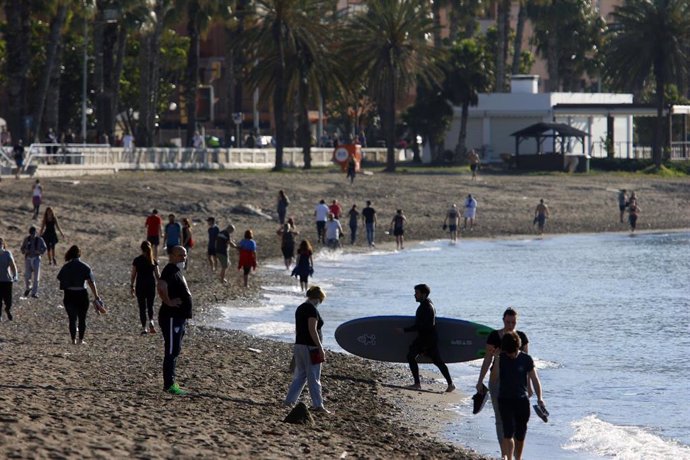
(73, 277)
(176, 309)
(427, 339)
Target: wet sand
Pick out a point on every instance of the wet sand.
(104, 399)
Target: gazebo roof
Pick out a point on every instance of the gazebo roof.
(559, 130)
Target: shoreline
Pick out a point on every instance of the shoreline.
(106, 398)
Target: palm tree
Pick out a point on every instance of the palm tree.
(650, 37)
(291, 42)
(468, 74)
(503, 38)
(389, 46)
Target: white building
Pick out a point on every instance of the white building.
(498, 115)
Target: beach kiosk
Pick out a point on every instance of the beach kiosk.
(343, 153)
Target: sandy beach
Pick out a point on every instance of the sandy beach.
(105, 399)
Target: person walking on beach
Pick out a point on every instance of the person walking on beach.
(287, 235)
(213, 231)
(176, 309)
(622, 203)
(304, 265)
(470, 212)
(48, 231)
(474, 161)
(427, 338)
(36, 197)
(154, 230)
(493, 349)
(335, 209)
(223, 244)
(514, 372)
(33, 248)
(333, 232)
(143, 285)
(320, 215)
(369, 215)
(541, 213)
(73, 277)
(452, 221)
(173, 233)
(247, 259)
(308, 351)
(633, 212)
(353, 214)
(283, 203)
(351, 170)
(8, 275)
(398, 228)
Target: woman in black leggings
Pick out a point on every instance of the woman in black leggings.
(143, 285)
(73, 277)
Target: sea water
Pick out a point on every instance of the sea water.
(607, 317)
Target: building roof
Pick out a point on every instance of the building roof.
(542, 130)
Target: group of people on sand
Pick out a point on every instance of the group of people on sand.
(513, 375)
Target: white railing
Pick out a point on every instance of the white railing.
(63, 159)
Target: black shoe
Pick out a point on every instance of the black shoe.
(26, 293)
(9, 315)
(35, 296)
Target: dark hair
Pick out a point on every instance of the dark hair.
(368, 203)
(510, 343)
(248, 234)
(509, 312)
(211, 219)
(423, 288)
(155, 211)
(72, 253)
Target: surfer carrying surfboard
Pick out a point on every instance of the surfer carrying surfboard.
(427, 339)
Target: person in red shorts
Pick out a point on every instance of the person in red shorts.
(154, 225)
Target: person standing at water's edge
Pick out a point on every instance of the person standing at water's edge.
(308, 351)
(427, 338)
(493, 349)
(514, 372)
(622, 203)
(73, 276)
(398, 228)
(304, 266)
(452, 221)
(247, 258)
(320, 215)
(470, 212)
(633, 212)
(369, 215)
(354, 223)
(541, 213)
(176, 309)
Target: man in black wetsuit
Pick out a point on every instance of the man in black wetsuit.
(427, 339)
(176, 309)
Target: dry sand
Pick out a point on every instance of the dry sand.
(104, 399)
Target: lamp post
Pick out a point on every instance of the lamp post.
(84, 77)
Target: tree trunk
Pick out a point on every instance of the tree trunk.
(304, 131)
(52, 109)
(120, 50)
(193, 71)
(279, 97)
(502, 32)
(461, 148)
(519, 32)
(54, 39)
(552, 62)
(660, 102)
(17, 35)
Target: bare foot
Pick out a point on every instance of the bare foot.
(415, 386)
(450, 388)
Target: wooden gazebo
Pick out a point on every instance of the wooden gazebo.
(540, 132)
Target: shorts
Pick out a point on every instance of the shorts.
(223, 259)
(36, 200)
(474, 167)
(398, 231)
(211, 251)
(247, 269)
(621, 207)
(541, 220)
(453, 228)
(155, 240)
(320, 226)
(470, 213)
(514, 416)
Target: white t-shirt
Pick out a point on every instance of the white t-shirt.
(333, 229)
(321, 211)
(128, 141)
